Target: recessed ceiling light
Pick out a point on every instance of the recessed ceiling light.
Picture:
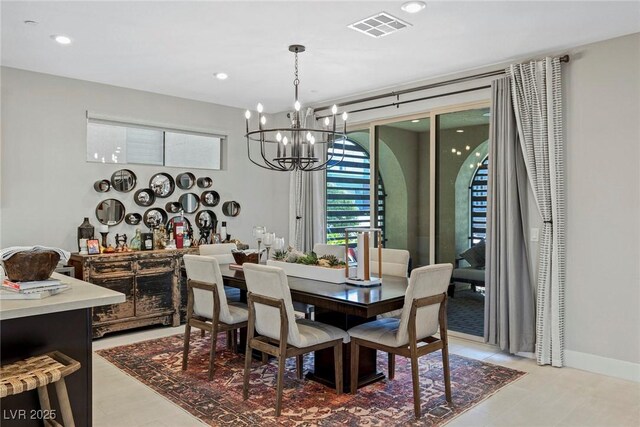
(415, 121)
(30, 22)
(221, 76)
(413, 6)
(459, 130)
(61, 39)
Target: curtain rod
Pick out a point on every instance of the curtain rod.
(563, 58)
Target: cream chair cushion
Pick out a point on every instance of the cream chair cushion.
(336, 250)
(424, 282)
(272, 282)
(395, 262)
(221, 251)
(206, 269)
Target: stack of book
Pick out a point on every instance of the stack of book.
(31, 290)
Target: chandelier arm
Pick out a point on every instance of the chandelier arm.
(270, 167)
(264, 158)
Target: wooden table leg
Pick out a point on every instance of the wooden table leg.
(324, 372)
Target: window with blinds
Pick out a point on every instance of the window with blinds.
(348, 192)
(116, 142)
(478, 202)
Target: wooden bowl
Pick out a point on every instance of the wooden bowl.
(28, 266)
(241, 257)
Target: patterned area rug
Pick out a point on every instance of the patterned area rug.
(157, 363)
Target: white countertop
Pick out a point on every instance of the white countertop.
(81, 295)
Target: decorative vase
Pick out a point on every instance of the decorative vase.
(85, 231)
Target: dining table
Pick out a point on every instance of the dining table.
(341, 305)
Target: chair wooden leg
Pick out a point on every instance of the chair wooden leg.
(280, 382)
(229, 340)
(299, 365)
(63, 401)
(185, 349)
(446, 372)
(355, 356)
(337, 357)
(247, 371)
(201, 333)
(212, 350)
(391, 360)
(416, 385)
(234, 343)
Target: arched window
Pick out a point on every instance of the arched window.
(478, 203)
(348, 192)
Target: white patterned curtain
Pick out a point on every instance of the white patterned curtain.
(537, 101)
(307, 217)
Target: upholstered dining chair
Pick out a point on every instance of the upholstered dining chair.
(207, 306)
(424, 312)
(281, 334)
(222, 251)
(395, 262)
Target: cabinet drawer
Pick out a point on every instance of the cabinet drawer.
(152, 266)
(110, 268)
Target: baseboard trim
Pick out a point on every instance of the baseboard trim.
(602, 365)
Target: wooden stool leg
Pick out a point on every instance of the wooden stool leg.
(43, 396)
(65, 405)
(299, 365)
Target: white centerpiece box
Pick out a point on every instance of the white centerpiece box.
(323, 274)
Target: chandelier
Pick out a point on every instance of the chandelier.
(297, 147)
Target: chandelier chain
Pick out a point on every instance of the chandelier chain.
(296, 81)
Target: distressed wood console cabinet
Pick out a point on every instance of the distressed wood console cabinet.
(151, 281)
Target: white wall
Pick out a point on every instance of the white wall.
(602, 111)
(47, 186)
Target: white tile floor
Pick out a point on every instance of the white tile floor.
(545, 397)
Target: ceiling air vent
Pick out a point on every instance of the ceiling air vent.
(379, 25)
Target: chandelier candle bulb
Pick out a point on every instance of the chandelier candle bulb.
(326, 122)
(297, 105)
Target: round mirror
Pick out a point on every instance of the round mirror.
(162, 184)
(133, 218)
(231, 208)
(190, 202)
(206, 218)
(102, 186)
(205, 182)
(144, 197)
(110, 212)
(185, 180)
(123, 180)
(154, 217)
(185, 221)
(210, 198)
(173, 207)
